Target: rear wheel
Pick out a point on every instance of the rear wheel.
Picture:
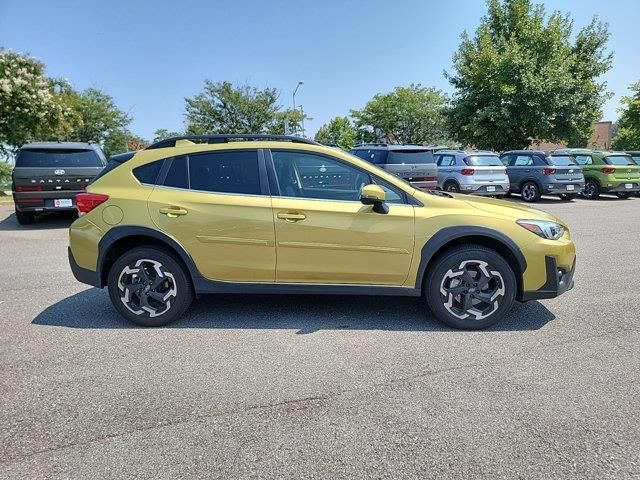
(623, 195)
(149, 287)
(530, 192)
(591, 190)
(568, 196)
(25, 218)
(470, 287)
(451, 187)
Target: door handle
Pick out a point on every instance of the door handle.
(291, 217)
(173, 211)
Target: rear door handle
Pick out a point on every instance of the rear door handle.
(291, 216)
(173, 211)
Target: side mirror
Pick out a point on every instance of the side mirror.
(374, 195)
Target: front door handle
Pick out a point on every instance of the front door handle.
(291, 216)
(173, 211)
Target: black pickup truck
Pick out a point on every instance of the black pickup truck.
(48, 175)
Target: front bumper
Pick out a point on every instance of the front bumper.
(84, 275)
(558, 281)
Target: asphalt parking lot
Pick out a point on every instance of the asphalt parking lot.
(321, 387)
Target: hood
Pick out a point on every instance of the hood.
(509, 209)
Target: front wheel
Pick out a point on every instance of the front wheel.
(470, 287)
(149, 287)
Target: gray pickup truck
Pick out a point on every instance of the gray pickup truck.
(413, 163)
(48, 175)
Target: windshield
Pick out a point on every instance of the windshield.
(561, 160)
(483, 161)
(410, 156)
(618, 160)
(59, 157)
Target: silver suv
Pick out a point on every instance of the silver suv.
(413, 163)
(481, 173)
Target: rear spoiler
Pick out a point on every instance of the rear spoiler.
(122, 157)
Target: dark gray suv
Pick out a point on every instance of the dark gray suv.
(533, 173)
(48, 175)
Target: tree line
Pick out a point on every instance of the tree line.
(525, 75)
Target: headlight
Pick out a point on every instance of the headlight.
(543, 228)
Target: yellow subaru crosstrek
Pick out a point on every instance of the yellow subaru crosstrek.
(275, 214)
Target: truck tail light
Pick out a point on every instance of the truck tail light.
(467, 171)
(28, 188)
(548, 170)
(85, 202)
(608, 170)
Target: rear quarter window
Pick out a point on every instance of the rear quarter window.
(146, 173)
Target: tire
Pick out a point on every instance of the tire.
(568, 196)
(530, 192)
(488, 306)
(591, 189)
(623, 195)
(131, 287)
(25, 218)
(451, 187)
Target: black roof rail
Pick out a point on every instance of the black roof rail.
(224, 138)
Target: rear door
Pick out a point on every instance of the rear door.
(325, 235)
(216, 204)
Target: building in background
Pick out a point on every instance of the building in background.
(600, 138)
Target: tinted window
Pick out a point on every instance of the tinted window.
(146, 173)
(177, 176)
(618, 160)
(225, 172)
(584, 159)
(377, 157)
(446, 160)
(636, 158)
(523, 161)
(307, 175)
(60, 157)
(410, 156)
(483, 161)
(393, 194)
(506, 159)
(561, 160)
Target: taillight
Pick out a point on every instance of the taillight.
(608, 170)
(548, 170)
(467, 171)
(28, 188)
(85, 202)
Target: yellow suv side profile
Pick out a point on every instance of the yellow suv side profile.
(275, 214)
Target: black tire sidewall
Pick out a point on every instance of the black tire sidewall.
(453, 184)
(25, 218)
(170, 263)
(451, 259)
(536, 197)
(596, 191)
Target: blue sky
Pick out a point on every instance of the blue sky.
(149, 55)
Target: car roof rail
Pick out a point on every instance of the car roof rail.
(225, 138)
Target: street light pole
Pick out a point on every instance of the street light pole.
(302, 119)
(294, 95)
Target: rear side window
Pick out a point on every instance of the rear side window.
(225, 172)
(177, 175)
(483, 161)
(58, 157)
(410, 156)
(584, 160)
(618, 160)
(146, 173)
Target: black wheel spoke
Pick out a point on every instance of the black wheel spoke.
(482, 296)
(457, 290)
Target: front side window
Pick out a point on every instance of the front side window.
(483, 161)
(618, 160)
(584, 160)
(225, 172)
(306, 175)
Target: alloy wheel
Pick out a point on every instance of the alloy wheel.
(529, 191)
(472, 290)
(147, 288)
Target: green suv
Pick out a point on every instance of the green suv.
(606, 172)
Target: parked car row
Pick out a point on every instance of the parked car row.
(565, 173)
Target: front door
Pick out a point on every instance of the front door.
(325, 235)
(216, 206)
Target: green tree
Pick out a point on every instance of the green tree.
(627, 135)
(5, 174)
(413, 114)
(339, 131)
(522, 78)
(31, 107)
(95, 116)
(162, 133)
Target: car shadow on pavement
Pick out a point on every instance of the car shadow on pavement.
(305, 313)
(44, 222)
